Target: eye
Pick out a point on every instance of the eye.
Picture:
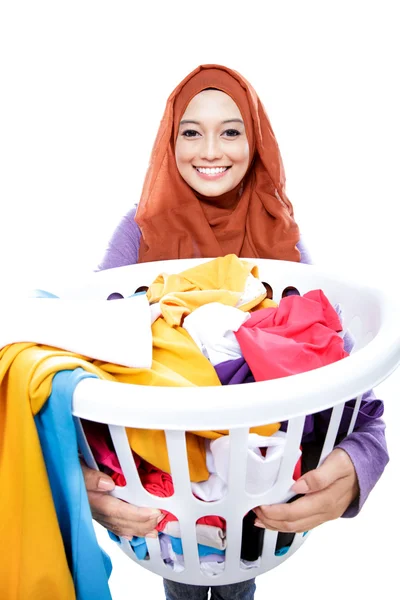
(190, 133)
(231, 132)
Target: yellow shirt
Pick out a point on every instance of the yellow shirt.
(220, 280)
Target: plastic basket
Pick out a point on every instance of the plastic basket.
(368, 314)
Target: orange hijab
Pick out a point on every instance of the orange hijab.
(178, 223)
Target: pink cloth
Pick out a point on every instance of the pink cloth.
(100, 442)
(297, 336)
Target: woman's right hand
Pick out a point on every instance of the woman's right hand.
(123, 519)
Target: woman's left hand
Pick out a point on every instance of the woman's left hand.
(329, 490)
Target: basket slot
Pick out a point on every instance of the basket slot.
(355, 414)
(153, 547)
(237, 461)
(290, 457)
(268, 553)
(297, 542)
(269, 559)
(133, 491)
(127, 549)
(176, 444)
(189, 544)
(236, 485)
(331, 434)
(177, 454)
(83, 445)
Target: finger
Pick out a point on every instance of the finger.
(114, 508)
(96, 481)
(107, 512)
(336, 466)
(313, 504)
(313, 509)
(130, 512)
(128, 530)
(294, 527)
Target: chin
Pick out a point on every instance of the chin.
(213, 194)
(211, 191)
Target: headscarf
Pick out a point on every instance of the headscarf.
(254, 220)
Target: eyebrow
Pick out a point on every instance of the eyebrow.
(186, 121)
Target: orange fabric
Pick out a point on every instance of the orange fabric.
(177, 223)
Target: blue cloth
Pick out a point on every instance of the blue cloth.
(282, 551)
(41, 294)
(90, 566)
(138, 545)
(176, 544)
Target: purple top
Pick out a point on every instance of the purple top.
(366, 446)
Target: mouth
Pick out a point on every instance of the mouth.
(211, 172)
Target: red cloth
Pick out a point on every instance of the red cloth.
(297, 336)
(160, 484)
(297, 469)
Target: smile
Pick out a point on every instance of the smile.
(212, 171)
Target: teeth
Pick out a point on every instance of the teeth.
(212, 170)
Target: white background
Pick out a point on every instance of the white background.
(82, 90)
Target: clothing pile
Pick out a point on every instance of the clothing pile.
(227, 332)
(208, 326)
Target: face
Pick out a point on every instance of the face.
(212, 151)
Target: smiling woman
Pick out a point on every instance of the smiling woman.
(212, 150)
(244, 210)
(216, 186)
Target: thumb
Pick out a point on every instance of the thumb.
(96, 481)
(318, 479)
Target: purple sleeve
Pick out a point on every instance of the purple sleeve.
(367, 450)
(304, 254)
(366, 446)
(123, 247)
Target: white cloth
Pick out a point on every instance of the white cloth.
(208, 535)
(213, 568)
(211, 327)
(254, 288)
(115, 331)
(214, 488)
(155, 311)
(262, 471)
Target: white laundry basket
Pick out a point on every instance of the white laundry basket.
(370, 316)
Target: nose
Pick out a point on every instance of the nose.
(211, 148)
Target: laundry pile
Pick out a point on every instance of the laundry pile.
(211, 325)
(244, 337)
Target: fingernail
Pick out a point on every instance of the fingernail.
(152, 534)
(127, 537)
(160, 518)
(259, 524)
(300, 487)
(105, 484)
(154, 512)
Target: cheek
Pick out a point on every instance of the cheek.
(183, 160)
(183, 155)
(241, 154)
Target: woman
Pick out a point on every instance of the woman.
(216, 185)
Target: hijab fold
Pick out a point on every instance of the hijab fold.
(254, 220)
